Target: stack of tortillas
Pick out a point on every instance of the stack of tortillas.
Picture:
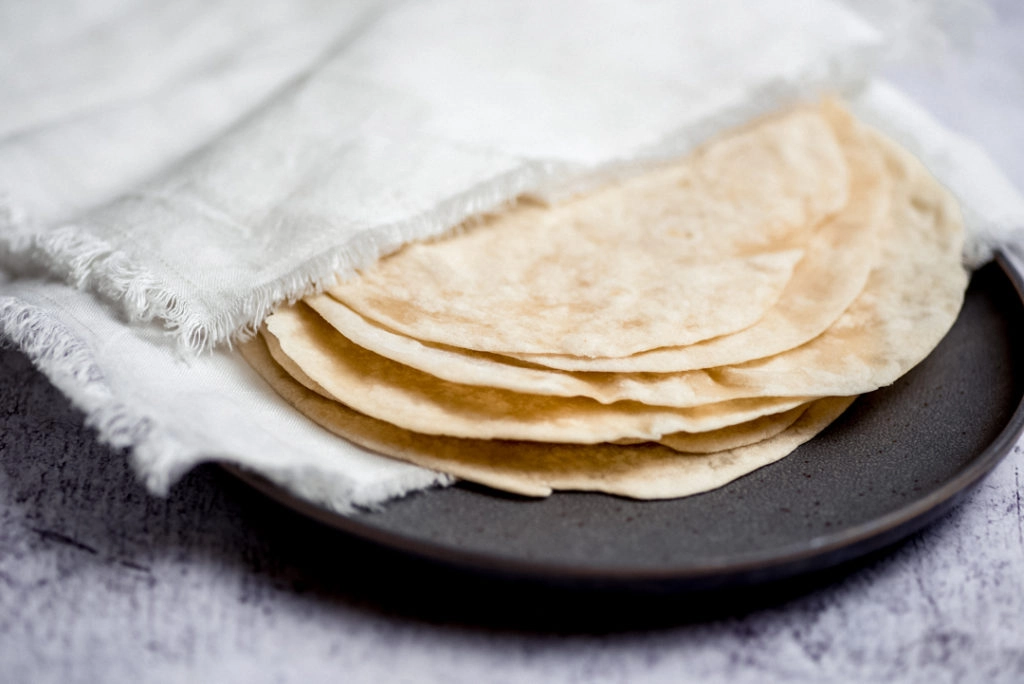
(655, 338)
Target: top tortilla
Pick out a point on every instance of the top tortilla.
(834, 271)
(651, 262)
(911, 299)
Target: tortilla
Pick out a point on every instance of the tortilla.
(834, 271)
(831, 275)
(647, 471)
(722, 439)
(416, 401)
(650, 262)
(911, 298)
(734, 436)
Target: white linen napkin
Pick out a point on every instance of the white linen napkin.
(430, 112)
(198, 183)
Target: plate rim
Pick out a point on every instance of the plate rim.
(818, 553)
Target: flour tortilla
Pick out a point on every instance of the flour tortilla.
(485, 370)
(722, 439)
(911, 299)
(651, 262)
(734, 436)
(416, 401)
(647, 471)
(834, 271)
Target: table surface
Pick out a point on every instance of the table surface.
(99, 581)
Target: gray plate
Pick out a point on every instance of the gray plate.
(893, 462)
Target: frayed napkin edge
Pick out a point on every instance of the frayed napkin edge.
(86, 262)
(70, 365)
(158, 458)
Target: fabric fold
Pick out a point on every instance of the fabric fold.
(429, 114)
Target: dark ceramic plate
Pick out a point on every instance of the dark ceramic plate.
(895, 461)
